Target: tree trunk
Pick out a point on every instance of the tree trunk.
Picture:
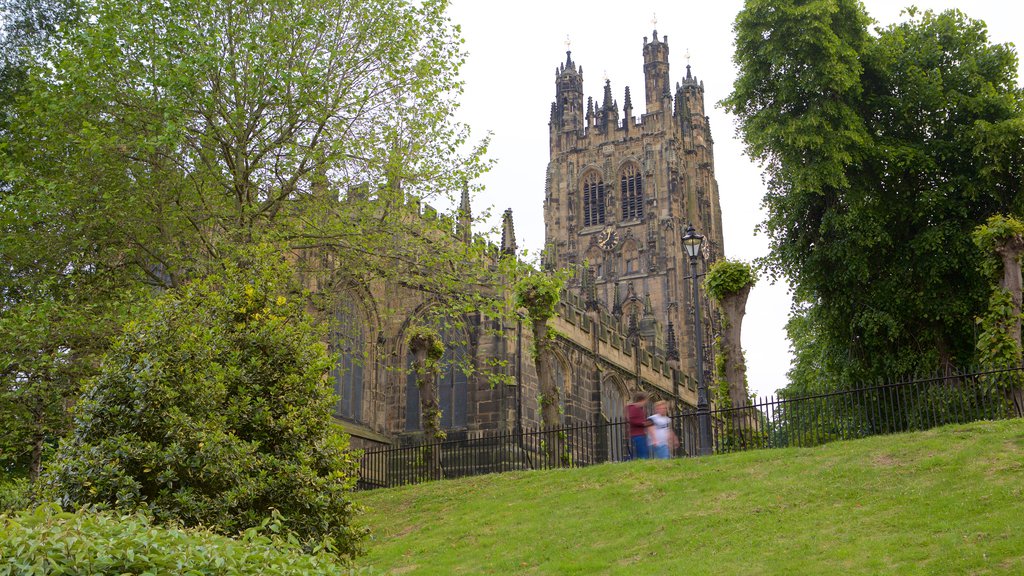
(430, 413)
(1010, 252)
(37, 456)
(550, 397)
(734, 307)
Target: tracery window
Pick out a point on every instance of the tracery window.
(348, 339)
(632, 193)
(593, 199)
(452, 385)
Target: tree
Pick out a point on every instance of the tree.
(728, 283)
(427, 351)
(174, 131)
(212, 410)
(999, 346)
(882, 155)
(539, 293)
(147, 141)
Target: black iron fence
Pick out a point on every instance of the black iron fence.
(769, 422)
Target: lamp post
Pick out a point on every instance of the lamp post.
(692, 244)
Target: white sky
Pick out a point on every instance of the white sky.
(514, 47)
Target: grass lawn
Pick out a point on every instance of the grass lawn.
(947, 501)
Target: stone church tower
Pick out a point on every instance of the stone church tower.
(621, 190)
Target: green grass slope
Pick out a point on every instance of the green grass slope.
(947, 501)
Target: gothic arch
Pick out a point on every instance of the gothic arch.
(631, 191)
(613, 399)
(593, 190)
(350, 339)
(561, 373)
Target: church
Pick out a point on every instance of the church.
(622, 187)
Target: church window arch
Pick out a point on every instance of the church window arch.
(613, 409)
(348, 341)
(593, 199)
(452, 384)
(632, 192)
(559, 374)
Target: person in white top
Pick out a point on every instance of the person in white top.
(660, 435)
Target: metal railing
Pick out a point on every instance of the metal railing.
(770, 422)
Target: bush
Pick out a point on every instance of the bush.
(213, 409)
(14, 493)
(48, 541)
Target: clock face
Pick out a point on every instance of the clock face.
(608, 238)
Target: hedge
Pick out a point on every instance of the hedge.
(48, 541)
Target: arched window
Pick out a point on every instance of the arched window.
(632, 193)
(452, 384)
(348, 339)
(593, 199)
(613, 409)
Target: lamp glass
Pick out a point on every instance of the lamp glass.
(692, 242)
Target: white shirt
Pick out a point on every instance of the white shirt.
(661, 428)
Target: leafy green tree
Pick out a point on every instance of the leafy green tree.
(149, 140)
(882, 153)
(213, 410)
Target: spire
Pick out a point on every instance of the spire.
(568, 60)
(632, 330)
(629, 102)
(648, 308)
(464, 227)
(508, 234)
(672, 346)
(608, 105)
(616, 305)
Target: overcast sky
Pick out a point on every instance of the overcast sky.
(514, 47)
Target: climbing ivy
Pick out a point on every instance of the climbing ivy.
(419, 337)
(728, 277)
(996, 348)
(989, 236)
(539, 294)
(996, 345)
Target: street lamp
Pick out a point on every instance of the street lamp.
(692, 243)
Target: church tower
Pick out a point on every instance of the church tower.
(620, 193)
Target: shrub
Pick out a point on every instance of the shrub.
(48, 541)
(14, 493)
(211, 410)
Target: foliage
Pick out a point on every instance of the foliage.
(882, 153)
(212, 410)
(50, 340)
(426, 338)
(147, 141)
(48, 541)
(170, 147)
(539, 293)
(14, 493)
(996, 348)
(990, 236)
(938, 502)
(726, 277)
